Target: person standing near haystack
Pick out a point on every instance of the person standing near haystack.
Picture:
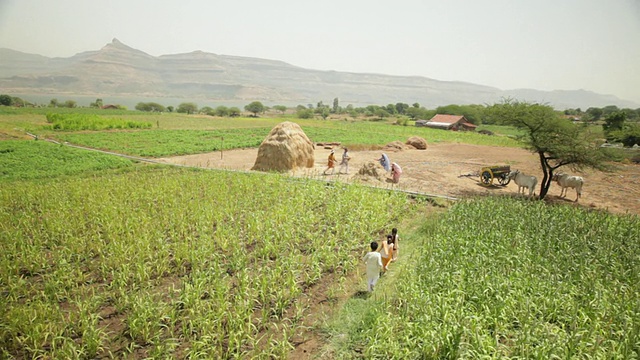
(384, 162)
(345, 161)
(331, 164)
(396, 171)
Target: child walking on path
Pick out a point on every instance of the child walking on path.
(395, 239)
(373, 261)
(386, 253)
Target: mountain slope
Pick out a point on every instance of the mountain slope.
(119, 70)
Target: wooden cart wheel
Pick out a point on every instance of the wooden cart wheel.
(504, 179)
(486, 177)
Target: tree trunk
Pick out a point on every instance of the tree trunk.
(546, 180)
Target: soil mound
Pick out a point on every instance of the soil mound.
(417, 142)
(286, 148)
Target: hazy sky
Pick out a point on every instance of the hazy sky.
(540, 44)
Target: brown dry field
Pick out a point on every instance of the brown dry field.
(440, 170)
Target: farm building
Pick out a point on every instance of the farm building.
(450, 122)
(573, 118)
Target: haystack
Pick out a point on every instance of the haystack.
(417, 142)
(367, 171)
(395, 146)
(286, 148)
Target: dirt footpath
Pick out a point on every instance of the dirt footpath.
(441, 168)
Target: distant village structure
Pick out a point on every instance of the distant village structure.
(448, 122)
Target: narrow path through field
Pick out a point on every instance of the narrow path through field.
(332, 336)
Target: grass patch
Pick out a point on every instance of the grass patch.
(159, 143)
(21, 160)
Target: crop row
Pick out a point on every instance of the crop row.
(164, 262)
(500, 278)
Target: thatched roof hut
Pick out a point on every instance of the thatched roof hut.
(286, 148)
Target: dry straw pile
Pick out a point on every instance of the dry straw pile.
(286, 148)
(368, 171)
(417, 142)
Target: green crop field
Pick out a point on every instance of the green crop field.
(173, 261)
(21, 160)
(104, 257)
(502, 278)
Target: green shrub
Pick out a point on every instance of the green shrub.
(76, 122)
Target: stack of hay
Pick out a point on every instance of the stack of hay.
(286, 148)
(417, 142)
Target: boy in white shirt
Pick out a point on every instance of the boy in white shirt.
(373, 261)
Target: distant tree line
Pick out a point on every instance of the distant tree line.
(474, 113)
(619, 125)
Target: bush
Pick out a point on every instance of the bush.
(305, 114)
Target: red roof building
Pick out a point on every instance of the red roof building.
(450, 122)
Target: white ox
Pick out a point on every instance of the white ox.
(524, 181)
(567, 181)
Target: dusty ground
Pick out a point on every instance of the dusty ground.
(438, 171)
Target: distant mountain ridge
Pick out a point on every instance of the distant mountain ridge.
(120, 70)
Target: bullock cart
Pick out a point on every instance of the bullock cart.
(500, 173)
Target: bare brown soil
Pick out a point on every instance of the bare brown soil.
(441, 170)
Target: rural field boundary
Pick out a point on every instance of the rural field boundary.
(152, 161)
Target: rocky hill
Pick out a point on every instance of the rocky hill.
(119, 70)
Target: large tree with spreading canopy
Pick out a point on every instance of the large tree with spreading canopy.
(557, 141)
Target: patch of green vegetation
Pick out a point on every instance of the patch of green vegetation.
(16, 126)
(381, 133)
(158, 143)
(7, 110)
(502, 130)
(76, 122)
(186, 263)
(20, 160)
(551, 282)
